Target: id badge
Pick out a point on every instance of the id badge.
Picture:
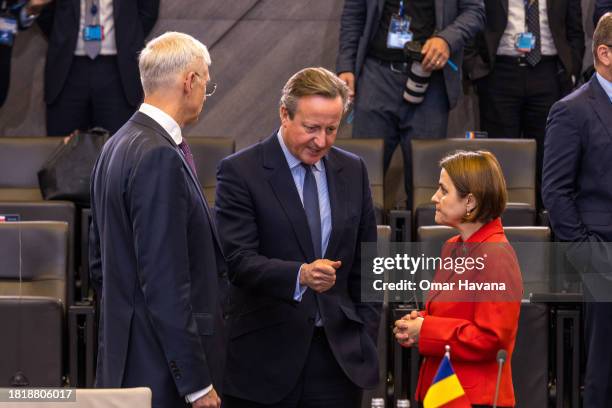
(399, 32)
(93, 33)
(8, 29)
(525, 42)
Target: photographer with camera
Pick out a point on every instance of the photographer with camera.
(371, 60)
(15, 15)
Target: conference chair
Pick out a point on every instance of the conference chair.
(33, 268)
(371, 151)
(517, 158)
(20, 160)
(207, 153)
(20, 198)
(62, 211)
(384, 339)
(531, 244)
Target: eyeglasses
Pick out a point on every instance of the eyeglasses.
(211, 87)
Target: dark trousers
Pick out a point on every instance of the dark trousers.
(322, 383)
(5, 71)
(92, 96)
(598, 375)
(381, 112)
(515, 99)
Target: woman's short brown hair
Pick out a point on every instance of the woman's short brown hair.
(478, 173)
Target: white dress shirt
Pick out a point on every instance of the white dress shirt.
(174, 130)
(518, 24)
(107, 21)
(164, 120)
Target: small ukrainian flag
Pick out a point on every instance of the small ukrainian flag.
(445, 390)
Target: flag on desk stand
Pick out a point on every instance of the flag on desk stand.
(446, 390)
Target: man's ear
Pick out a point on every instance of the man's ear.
(188, 82)
(284, 114)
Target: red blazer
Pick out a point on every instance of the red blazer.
(475, 330)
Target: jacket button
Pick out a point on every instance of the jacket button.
(178, 376)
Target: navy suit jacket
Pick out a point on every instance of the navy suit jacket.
(157, 265)
(134, 20)
(576, 176)
(457, 22)
(266, 238)
(601, 8)
(576, 186)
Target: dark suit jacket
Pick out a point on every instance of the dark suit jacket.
(265, 234)
(601, 8)
(576, 186)
(133, 19)
(565, 21)
(457, 21)
(157, 265)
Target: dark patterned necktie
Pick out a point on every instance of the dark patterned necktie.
(92, 18)
(311, 207)
(533, 26)
(188, 156)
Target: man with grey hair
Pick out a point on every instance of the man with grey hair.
(578, 195)
(292, 213)
(156, 260)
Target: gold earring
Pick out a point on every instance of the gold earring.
(467, 212)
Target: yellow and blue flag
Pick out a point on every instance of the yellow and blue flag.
(446, 390)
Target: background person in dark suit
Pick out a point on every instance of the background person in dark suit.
(577, 192)
(292, 213)
(94, 83)
(601, 7)
(156, 261)
(516, 89)
(377, 75)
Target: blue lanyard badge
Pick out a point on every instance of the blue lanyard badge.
(93, 32)
(526, 41)
(399, 29)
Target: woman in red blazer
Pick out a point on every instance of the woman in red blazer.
(475, 323)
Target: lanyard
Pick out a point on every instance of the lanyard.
(94, 8)
(401, 8)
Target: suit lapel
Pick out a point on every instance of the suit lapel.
(77, 9)
(601, 104)
(336, 186)
(381, 6)
(504, 4)
(550, 5)
(284, 189)
(150, 123)
(116, 6)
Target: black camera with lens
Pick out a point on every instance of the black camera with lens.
(418, 79)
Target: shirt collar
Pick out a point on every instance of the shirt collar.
(293, 161)
(490, 228)
(164, 120)
(606, 85)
